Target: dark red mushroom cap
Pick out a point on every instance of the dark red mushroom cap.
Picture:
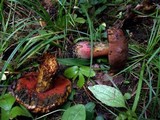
(118, 49)
(83, 49)
(25, 92)
(30, 90)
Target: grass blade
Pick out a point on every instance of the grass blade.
(138, 91)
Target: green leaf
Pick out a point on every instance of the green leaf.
(118, 1)
(71, 96)
(90, 106)
(87, 71)
(76, 112)
(100, 10)
(99, 118)
(6, 101)
(74, 16)
(127, 96)
(18, 111)
(90, 110)
(71, 72)
(26, 111)
(4, 114)
(73, 61)
(108, 95)
(3, 77)
(81, 80)
(121, 116)
(41, 32)
(80, 20)
(127, 115)
(66, 105)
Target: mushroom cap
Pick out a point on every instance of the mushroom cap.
(25, 92)
(83, 49)
(118, 49)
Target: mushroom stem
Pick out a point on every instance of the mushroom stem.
(46, 72)
(83, 49)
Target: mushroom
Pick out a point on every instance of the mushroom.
(83, 49)
(43, 90)
(116, 49)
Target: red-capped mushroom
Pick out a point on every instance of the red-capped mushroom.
(116, 49)
(83, 49)
(43, 90)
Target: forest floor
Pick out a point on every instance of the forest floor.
(76, 21)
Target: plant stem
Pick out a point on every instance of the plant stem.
(91, 35)
(138, 91)
(59, 110)
(158, 89)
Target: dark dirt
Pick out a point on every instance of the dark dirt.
(139, 28)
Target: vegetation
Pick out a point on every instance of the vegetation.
(28, 30)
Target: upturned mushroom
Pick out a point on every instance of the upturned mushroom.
(43, 90)
(116, 49)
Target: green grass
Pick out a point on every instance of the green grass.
(148, 59)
